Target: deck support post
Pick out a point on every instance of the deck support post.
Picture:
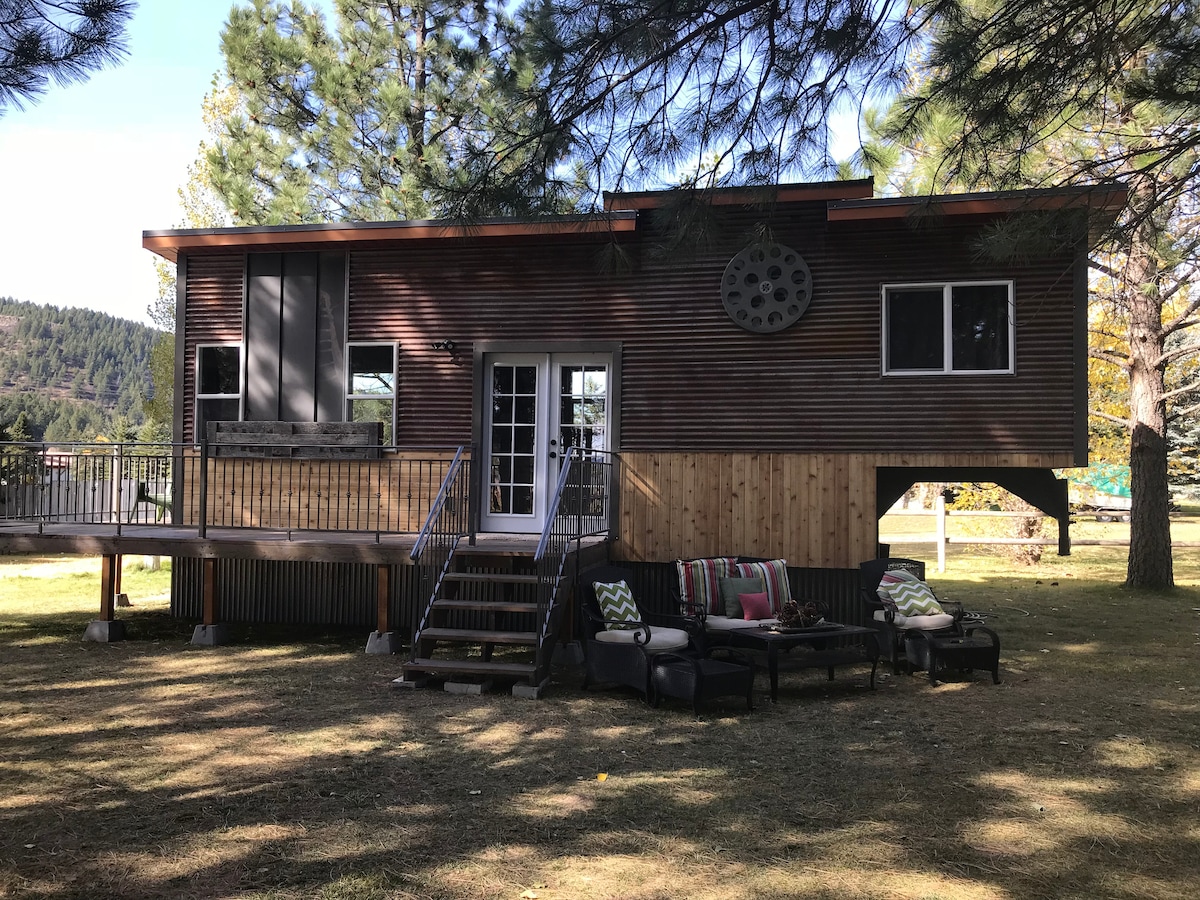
(209, 633)
(383, 640)
(107, 628)
(121, 598)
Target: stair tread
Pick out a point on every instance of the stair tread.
(479, 635)
(468, 667)
(486, 605)
(490, 578)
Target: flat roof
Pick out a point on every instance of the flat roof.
(748, 194)
(1107, 198)
(168, 243)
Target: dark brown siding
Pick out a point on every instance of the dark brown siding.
(213, 314)
(691, 379)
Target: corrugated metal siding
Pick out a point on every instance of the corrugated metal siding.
(691, 379)
(213, 315)
(294, 593)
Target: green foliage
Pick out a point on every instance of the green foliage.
(43, 41)
(371, 120)
(70, 372)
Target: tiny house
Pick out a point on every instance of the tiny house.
(770, 391)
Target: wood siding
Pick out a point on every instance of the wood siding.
(392, 494)
(814, 510)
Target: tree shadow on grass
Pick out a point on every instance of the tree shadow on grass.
(150, 770)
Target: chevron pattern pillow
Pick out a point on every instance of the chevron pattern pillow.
(617, 603)
(915, 599)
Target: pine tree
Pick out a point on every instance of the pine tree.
(1078, 91)
(368, 121)
(42, 41)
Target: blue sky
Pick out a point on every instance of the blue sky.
(91, 165)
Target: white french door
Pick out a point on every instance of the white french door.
(537, 407)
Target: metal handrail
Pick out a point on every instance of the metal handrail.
(438, 506)
(446, 524)
(291, 487)
(565, 525)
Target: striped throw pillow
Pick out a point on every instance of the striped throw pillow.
(915, 599)
(616, 605)
(774, 578)
(699, 584)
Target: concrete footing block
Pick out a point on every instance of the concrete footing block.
(568, 654)
(410, 682)
(384, 642)
(468, 687)
(530, 691)
(210, 635)
(105, 631)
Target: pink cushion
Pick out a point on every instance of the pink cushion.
(755, 606)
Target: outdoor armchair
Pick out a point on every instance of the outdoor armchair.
(620, 638)
(893, 626)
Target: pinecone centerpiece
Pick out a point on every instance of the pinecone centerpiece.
(793, 615)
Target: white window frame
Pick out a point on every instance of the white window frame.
(240, 396)
(947, 288)
(348, 381)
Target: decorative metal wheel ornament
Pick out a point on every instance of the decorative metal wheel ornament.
(766, 287)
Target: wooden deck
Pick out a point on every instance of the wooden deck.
(243, 543)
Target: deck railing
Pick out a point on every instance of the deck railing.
(582, 506)
(447, 522)
(184, 485)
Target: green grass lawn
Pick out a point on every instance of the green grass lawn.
(275, 769)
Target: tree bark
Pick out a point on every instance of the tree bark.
(1150, 564)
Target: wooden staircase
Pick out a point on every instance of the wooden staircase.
(486, 606)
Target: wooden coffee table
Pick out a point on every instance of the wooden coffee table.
(817, 654)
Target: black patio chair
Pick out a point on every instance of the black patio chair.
(623, 655)
(893, 631)
(926, 642)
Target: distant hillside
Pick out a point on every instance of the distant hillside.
(73, 372)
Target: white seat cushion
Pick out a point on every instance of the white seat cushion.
(660, 638)
(727, 623)
(921, 623)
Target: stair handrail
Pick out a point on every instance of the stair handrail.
(564, 525)
(445, 525)
(439, 506)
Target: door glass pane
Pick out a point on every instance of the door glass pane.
(513, 432)
(979, 326)
(914, 330)
(583, 407)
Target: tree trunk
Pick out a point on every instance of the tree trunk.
(1150, 563)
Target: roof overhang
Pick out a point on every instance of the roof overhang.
(1103, 199)
(745, 196)
(170, 243)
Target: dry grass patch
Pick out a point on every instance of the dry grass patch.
(285, 769)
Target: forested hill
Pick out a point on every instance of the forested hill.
(75, 373)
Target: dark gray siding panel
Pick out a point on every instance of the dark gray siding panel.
(298, 338)
(331, 338)
(264, 291)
